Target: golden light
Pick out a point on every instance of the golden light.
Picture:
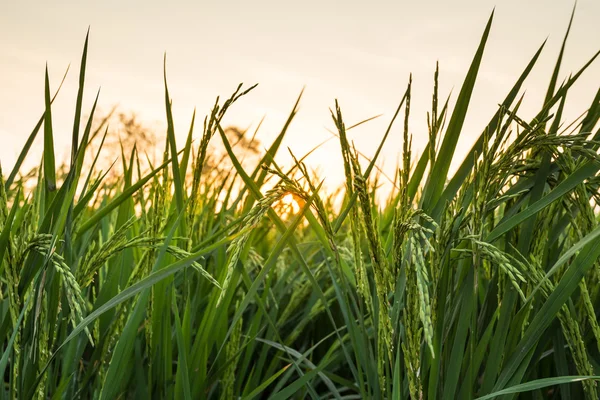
(289, 205)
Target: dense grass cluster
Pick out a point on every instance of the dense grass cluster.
(178, 282)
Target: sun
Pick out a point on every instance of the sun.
(289, 205)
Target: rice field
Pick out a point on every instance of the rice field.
(178, 281)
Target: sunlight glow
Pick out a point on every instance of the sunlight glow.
(289, 205)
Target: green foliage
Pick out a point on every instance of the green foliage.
(183, 282)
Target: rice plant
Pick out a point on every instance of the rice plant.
(176, 281)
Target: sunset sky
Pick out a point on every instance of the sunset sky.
(356, 51)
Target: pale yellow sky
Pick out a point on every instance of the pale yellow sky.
(359, 52)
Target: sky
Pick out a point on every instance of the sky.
(358, 52)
